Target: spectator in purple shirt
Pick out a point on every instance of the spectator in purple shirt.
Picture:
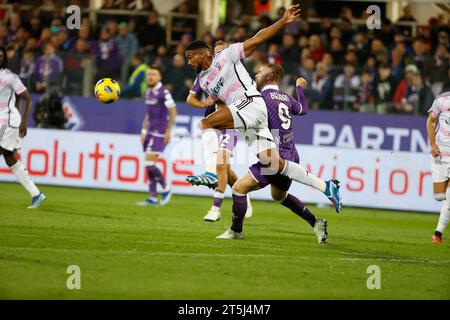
(48, 68)
(108, 57)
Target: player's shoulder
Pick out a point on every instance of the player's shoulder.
(443, 98)
(7, 74)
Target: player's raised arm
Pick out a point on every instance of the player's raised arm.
(300, 107)
(290, 15)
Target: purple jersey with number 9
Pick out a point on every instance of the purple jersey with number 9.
(280, 108)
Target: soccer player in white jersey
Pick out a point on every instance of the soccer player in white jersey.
(438, 129)
(13, 126)
(226, 80)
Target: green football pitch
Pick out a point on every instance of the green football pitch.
(129, 252)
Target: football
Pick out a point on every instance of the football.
(107, 90)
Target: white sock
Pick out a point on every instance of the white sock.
(444, 217)
(296, 172)
(219, 196)
(24, 179)
(210, 143)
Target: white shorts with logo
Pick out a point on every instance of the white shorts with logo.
(9, 138)
(250, 118)
(440, 169)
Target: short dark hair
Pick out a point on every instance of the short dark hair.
(196, 44)
(220, 43)
(139, 56)
(157, 68)
(277, 70)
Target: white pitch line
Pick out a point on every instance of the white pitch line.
(192, 254)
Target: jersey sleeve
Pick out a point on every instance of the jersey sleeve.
(168, 100)
(196, 89)
(435, 109)
(234, 52)
(17, 85)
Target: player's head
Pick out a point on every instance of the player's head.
(3, 58)
(219, 46)
(269, 74)
(153, 76)
(197, 52)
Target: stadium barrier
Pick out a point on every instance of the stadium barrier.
(382, 161)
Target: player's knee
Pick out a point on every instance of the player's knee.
(222, 167)
(10, 158)
(150, 163)
(439, 196)
(278, 196)
(238, 188)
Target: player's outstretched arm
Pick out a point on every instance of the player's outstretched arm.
(290, 15)
(25, 112)
(431, 129)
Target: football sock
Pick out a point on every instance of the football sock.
(24, 179)
(210, 143)
(152, 187)
(299, 208)
(296, 172)
(239, 209)
(153, 171)
(444, 217)
(217, 200)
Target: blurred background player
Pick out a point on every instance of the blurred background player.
(280, 107)
(440, 161)
(218, 167)
(13, 126)
(155, 134)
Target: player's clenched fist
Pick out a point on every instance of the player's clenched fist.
(301, 82)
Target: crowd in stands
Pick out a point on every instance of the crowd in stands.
(348, 67)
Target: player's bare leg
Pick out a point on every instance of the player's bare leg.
(441, 192)
(218, 120)
(294, 171)
(16, 166)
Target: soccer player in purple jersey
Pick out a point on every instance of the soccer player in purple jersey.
(280, 108)
(155, 134)
(224, 78)
(218, 163)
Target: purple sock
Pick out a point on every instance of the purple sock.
(154, 172)
(239, 209)
(299, 208)
(152, 187)
(217, 199)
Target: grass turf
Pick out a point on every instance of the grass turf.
(129, 252)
